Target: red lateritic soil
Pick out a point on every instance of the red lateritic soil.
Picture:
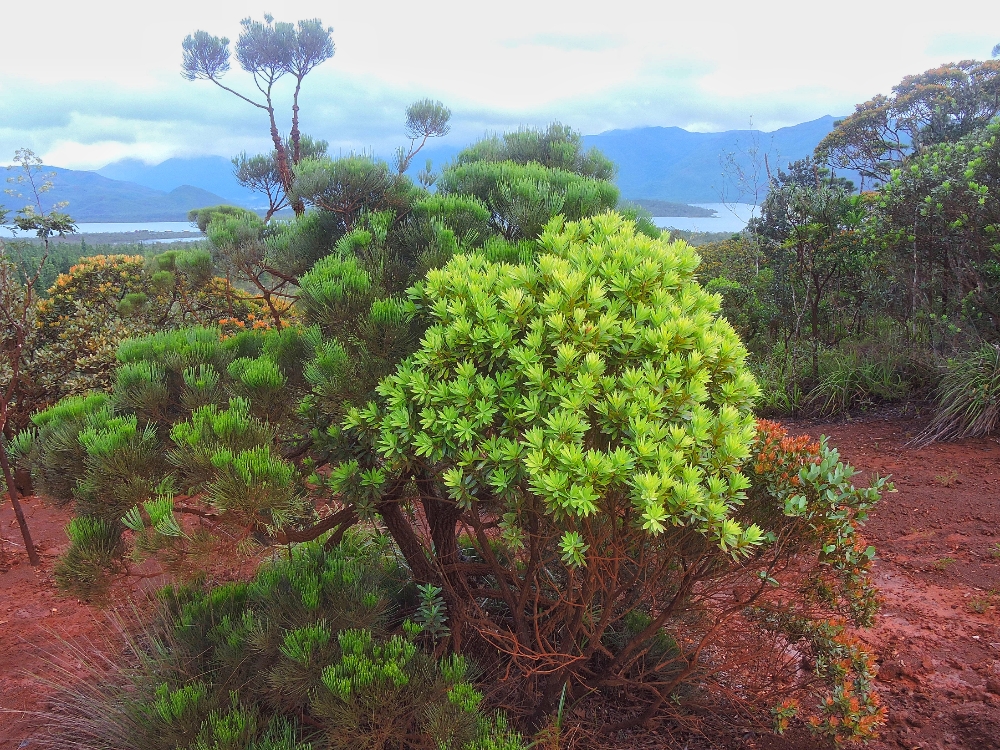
(938, 636)
(938, 570)
(36, 621)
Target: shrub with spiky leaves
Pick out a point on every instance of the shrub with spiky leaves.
(56, 456)
(105, 299)
(522, 198)
(591, 413)
(593, 406)
(557, 146)
(301, 657)
(121, 457)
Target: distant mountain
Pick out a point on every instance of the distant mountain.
(681, 167)
(673, 164)
(669, 165)
(94, 198)
(211, 173)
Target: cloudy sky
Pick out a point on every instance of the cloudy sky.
(86, 83)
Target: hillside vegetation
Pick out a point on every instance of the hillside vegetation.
(495, 448)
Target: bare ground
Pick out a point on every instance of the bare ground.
(938, 570)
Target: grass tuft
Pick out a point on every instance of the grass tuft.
(967, 399)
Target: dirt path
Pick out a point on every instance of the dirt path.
(36, 621)
(938, 569)
(938, 636)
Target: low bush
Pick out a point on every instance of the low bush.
(851, 380)
(586, 417)
(310, 654)
(121, 457)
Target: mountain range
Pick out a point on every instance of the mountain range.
(95, 198)
(673, 164)
(661, 165)
(211, 173)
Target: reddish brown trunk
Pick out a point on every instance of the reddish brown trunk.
(8, 476)
(281, 155)
(401, 531)
(294, 136)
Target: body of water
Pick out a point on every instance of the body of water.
(122, 227)
(731, 217)
(147, 226)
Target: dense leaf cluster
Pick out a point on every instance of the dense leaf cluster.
(301, 656)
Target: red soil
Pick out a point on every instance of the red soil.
(938, 570)
(36, 621)
(938, 636)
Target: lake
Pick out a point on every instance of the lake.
(126, 227)
(731, 217)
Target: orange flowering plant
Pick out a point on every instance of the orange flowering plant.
(806, 483)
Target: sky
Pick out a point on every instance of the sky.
(84, 84)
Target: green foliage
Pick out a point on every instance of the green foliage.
(252, 483)
(522, 198)
(262, 173)
(849, 381)
(425, 119)
(940, 218)
(30, 177)
(592, 389)
(431, 616)
(336, 287)
(59, 258)
(162, 425)
(557, 147)
(95, 546)
(57, 457)
(466, 216)
(210, 431)
(940, 105)
(347, 186)
(581, 344)
(967, 399)
(300, 657)
(205, 216)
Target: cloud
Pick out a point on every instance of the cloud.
(568, 42)
(106, 85)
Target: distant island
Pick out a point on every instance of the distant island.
(670, 208)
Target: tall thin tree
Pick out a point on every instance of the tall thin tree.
(268, 51)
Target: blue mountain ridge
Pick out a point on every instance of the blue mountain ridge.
(95, 198)
(673, 164)
(211, 173)
(658, 163)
